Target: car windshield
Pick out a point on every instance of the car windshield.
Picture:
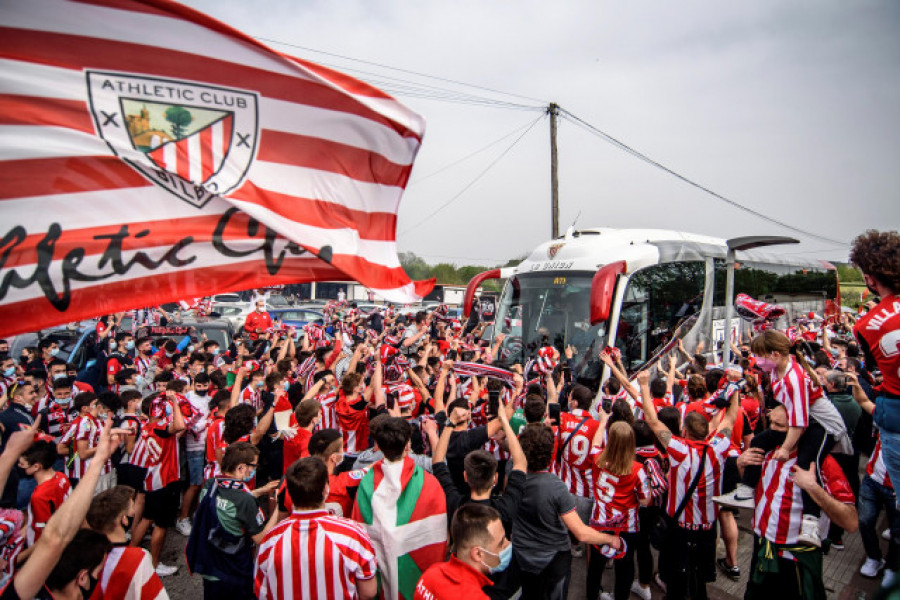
(550, 308)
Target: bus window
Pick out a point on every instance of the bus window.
(538, 309)
(776, 283)
(657, 301)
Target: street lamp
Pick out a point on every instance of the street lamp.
(735, 244)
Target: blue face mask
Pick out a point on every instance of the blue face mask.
(9, 372)
(505, 558)
(129, 345)
(250, 476)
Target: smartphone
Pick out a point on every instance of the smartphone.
(493, 402)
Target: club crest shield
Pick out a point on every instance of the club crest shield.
(554, 249)
(194, 140)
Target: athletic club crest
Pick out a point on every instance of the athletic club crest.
(194, 140)
(554, 249)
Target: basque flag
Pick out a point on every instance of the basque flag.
(149, 153)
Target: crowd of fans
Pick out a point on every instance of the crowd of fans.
(345, 460)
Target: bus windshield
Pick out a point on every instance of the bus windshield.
(537, 309)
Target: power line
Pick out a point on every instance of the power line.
(408, 71)
(467, 157)
(650, 161)
(477, 177)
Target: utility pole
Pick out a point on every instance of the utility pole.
(553, 109)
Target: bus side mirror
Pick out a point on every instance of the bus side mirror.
(473, 287)
(603, 288)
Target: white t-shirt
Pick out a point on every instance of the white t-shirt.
(195, 439)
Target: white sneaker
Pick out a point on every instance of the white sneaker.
(606, 596)
(741, 497)
(183, 526)
(889, 576)
(641, 592)
(809, 531)
(886, 534)
(871, 567)
(165, 570)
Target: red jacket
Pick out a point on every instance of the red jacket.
(257, 320)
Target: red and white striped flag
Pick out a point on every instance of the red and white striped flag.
(149, 153)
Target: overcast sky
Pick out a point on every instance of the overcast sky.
(791, 108)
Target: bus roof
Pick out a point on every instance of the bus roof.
(590, 249)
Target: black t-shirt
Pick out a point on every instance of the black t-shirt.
(461, 443)
(14, 418)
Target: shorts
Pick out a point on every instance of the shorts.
(730, 479)
(196, 462)
(161, 506)
(132, 476)
(105, 482)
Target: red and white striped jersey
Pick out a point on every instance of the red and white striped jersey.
(329, 411)
(875, 467)
(354, 423)
(684, 460)
(793, 391)
(146, 449)
(45, 500)
(251, 396)
(313, 554)
(166, 470)
(779, 505)
(617, 499)
(576, 469)
(406, 396)
(84, 428)
(128, 574)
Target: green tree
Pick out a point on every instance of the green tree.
(847, 272)
(180, 118)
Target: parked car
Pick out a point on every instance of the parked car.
(236, 313)
(218, 330)
(77, 345)
(297, 317)
(228, 298)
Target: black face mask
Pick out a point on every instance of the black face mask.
(201, 393)
(92, 584)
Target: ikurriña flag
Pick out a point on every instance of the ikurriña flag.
(405, 513)
(149, 153)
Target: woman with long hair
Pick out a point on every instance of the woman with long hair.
(621, 486)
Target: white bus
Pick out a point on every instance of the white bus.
(641, 290)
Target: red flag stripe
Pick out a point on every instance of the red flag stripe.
(326, 155)
(35, 110)
(79, 52)
(276, 146)
(25, 178)
(86, 303)
(207, 164)
(95, 240)
(44, 176)
(326, 215)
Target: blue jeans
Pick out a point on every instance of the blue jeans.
(890, 452)
(196, 461)
(872, 498)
